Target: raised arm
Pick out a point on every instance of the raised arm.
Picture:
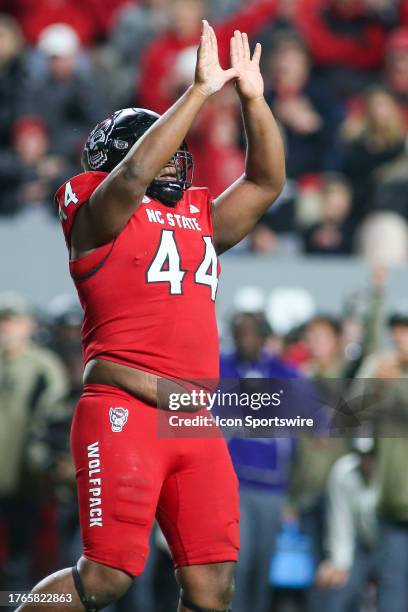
(116, 199)
(237, 210)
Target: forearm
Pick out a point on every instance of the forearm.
(265, 160)
(238, 209)
(151, 153)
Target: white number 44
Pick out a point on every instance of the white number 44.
(166, 266)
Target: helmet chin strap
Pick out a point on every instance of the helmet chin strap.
(166, 192)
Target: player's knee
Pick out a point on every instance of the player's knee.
(223, 584)
(100, 584)
(209, 586)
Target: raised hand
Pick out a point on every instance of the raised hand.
(209, 75)
(250, 84)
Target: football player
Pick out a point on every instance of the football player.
(143, 247)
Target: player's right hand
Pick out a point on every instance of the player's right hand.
(209, 76)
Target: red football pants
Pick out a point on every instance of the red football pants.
(127, 475)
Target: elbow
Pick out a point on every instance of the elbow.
(279, 185)
(272, 187)
(277, 182)
(269, 180)
(279, 179)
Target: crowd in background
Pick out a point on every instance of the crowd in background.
(324, 518)
(336, 77)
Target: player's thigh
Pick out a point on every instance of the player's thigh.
(119, 477)
(198, 508)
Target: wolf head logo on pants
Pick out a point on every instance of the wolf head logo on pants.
(118, 418)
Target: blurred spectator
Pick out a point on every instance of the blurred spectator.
(345, 37)
(352, 537)
(308, 113)
(393, 583)
(51, 435)
(313, 459)
(263, 240)
(154, 90)
(333, 235)
(284, 22)
(268, 238)
(308, 200)
(32, 380)
(383, 239)
(89, 18)
(136, 26)
(35, 15)
(396, 66)
(249, 358)
(363, 322)
(275, 232)
(66, 98)
(294, 349)
(289, 307)
(379, 140)
(393, 457)
(391, 187)
(31, 173)
(117, 62)
(66, 320)
(262, 466)
(315, 455)
(105, 15)
(13, 76)
(323, 337)
(404, 12)
(394, 363)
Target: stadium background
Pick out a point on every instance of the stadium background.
(323, 271)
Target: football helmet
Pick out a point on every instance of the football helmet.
(111, 140)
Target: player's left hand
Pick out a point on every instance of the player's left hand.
(250, 83)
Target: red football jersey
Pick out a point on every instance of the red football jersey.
(149, 295)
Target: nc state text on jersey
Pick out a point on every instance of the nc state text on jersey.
(172, 220)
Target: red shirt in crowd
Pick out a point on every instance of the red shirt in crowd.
(159, 58)
(85, 16)
(333, 47)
